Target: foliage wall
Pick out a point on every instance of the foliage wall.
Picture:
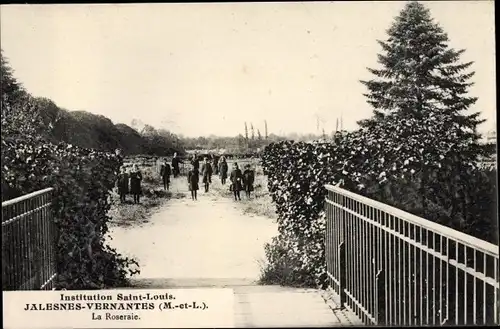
(82, 179)
(298, 171)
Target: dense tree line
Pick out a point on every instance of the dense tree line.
(237, 144)
(98, 132)
(80, 128)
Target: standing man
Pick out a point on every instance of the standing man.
(165, 172)
(195, 162)
(223, 169)
(175, 164)
(122, 184)
(248, 180)
(216, 164)
(193, 177)
(206, 171)
(236, 178)
(135, 183)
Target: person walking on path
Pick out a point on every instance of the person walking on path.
(165, 173)
(236, 178)
(195, 162)
(122, 184)
(175, 165)
(135, 183)
(215, 160)
(223, 169)
(248, 180)
(193, 179)
(206, 171)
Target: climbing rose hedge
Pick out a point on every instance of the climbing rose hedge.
(297, 172)
(82, 180)
(422, 170)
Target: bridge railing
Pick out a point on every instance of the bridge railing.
(390, 267)
(28, 242)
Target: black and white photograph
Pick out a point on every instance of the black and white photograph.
(320, 164)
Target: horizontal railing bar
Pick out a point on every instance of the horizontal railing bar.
(48, 281)
(333, 278)
(463, 238)
(426, 249)
(26, 214)
(26, 197)
(477, 275)
(358, 304)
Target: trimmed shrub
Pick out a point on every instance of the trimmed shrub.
(82, 180)
(436, 185)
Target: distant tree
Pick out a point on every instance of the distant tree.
(148, 130)
(50, 114)
(265, 129)
(246, 132)
(259, 136)
(241, 142)
(10, 87)
(253, 132)
(19, 109)
(130, 140)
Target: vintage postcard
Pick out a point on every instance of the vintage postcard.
(266, 164)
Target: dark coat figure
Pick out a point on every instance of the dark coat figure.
(248, 180)
(122, 185)
(193, 179)
(135, 183)
(215, 161)
(206, 171)
(196, 164)
(236, 178)
(175, 165)
(165, 173)
(223, 169)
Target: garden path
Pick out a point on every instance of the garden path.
(211, 243)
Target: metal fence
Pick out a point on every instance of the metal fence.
(28, 242)
(393, 268)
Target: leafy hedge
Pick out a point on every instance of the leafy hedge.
(82, 180)
(426, 175)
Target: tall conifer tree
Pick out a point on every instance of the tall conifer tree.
(421, 77)
(421, 132)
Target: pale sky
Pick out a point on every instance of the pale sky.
(200, 69)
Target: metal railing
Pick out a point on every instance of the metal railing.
(390, 267)
(28, 242)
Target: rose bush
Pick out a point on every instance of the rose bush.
(424, 172)
(82, 180)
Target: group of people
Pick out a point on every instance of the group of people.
(130, 182)
(239, 180)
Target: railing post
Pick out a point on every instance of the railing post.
(380, 280)
(34, 235)
(343, 274)
(342, 256)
